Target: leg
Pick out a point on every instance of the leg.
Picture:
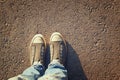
(55, 71)
(34, 72)
(31, 73)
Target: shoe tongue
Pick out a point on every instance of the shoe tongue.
(37, 51)
(56, 48)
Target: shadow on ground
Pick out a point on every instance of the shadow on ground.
(47, 57)
(74, 67)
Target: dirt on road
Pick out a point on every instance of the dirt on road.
(91, 28)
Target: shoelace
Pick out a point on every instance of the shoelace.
(42, 53)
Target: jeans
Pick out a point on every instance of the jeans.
(55, 71)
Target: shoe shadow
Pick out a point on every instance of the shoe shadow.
(47, 57)
(74, 67)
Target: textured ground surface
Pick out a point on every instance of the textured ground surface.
(91, 27)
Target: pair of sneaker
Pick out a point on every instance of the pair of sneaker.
(58, 49)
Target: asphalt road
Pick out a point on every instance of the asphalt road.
(91, 28)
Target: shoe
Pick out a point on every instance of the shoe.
(37, 49)
(58, 49)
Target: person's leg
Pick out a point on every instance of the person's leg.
(58, 52)
(37, 55)
(55, 71)
(34, 72)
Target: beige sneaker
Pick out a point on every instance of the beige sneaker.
(58, 49)
(37, 49)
